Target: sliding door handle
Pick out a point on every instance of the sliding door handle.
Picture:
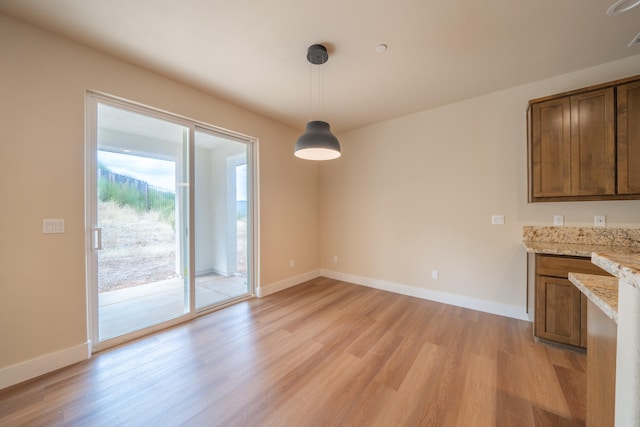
(97, 239)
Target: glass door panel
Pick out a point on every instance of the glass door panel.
(221, 215)
(142, 206)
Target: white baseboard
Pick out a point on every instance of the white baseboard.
(512, 311)
(29, 369)
(272, 288)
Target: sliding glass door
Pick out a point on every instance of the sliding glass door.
(160, 248)
(221, 218)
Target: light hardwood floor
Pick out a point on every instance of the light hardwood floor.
(325, 353)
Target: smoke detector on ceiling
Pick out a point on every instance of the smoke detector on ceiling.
(622, 6)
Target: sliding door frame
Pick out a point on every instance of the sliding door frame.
(92, 99)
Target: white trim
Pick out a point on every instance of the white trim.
(254, 218)
(90, 214)
(272, 288)
(33, 368)
(512, 311)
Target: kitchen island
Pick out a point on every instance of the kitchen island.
(602, 341)
(626, 268)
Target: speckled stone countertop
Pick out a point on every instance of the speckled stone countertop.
(581, 241)
(574, 249)
(600, 290)
(624, 266)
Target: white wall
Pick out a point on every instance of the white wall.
(416, 194)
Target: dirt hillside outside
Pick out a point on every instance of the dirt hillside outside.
(138, 247)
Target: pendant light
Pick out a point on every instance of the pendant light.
(317, 142)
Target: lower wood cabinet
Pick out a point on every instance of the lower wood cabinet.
(560, 308)
(559, 314)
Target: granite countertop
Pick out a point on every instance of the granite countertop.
(625, 267)
(600, 290)
(581, 241)
(577, 249)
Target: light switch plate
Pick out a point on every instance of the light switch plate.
(497, 219)
(53, 226)
(558, 220)
(599, 220)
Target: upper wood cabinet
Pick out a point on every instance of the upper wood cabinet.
(550, 148)
(629, 138)
(585, 144)
(593, 143)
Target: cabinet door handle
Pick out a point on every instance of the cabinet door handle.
(97, 239)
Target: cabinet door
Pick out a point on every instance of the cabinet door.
(551, 148)
(629, 138)
(558, 310)
(584, 302)
(593, 150)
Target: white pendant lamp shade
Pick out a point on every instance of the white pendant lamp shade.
(317, 142)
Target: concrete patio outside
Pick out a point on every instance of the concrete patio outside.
(129, 309)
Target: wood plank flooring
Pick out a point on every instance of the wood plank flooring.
(324, 353)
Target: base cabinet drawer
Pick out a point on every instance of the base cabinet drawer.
(561, 266)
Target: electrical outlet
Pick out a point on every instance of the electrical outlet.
(335, 258)
(599, 220)
(558, 220)
(435, 274)
(292, 263)
(497, 219)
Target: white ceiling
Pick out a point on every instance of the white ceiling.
(253, 52)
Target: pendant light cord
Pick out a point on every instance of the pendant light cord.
(310, 90)
(321, 92)
(318, 79)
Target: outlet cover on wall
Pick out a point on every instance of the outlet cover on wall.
(558, 220)
(599, 220)
(497, 219)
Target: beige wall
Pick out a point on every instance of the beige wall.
(408, 196)
(416, 194)
(43, 81)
